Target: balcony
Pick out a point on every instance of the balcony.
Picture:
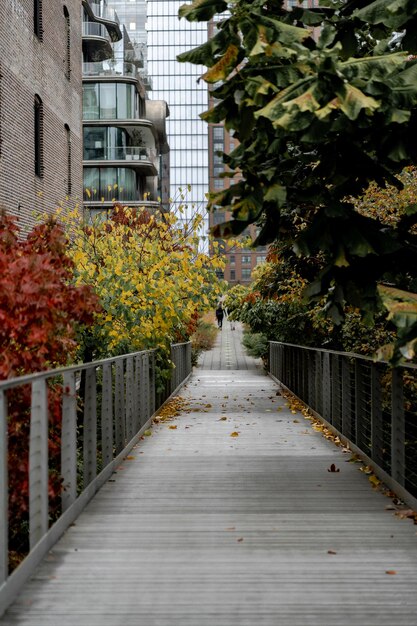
(102, 14)
(118, 68)
(139, 158)
(146, 79)
(96, 40)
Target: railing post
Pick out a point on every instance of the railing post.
(336, 395)
(69, 441)
(143, 400)
(346, 399)
(317, 383)
(376, 415)
(327, 401)
(152, 384)
(119, 406)
(397, 427)
(136, 394)
(129, 398)
(4, 491)
(90, 428)
(358, 403)
(107, 415)
(38, 463)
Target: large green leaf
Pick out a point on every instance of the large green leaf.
(202, 10)
(353, 101)
(401, 305)
(392, 13)
(223, 67)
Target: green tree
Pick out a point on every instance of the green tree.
(322, 105)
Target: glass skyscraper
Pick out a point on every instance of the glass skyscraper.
(132, 14)
(176, 83)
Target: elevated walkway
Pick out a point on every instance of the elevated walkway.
(228, 515)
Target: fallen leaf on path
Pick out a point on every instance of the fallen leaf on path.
(331, 552)
(407, 513)
(222, 419)
(130, 458)
(333, 468)
(147, 433)
(296, 421)
(391, 572)
(374, 480)
(240, 539)
(234, 434)
(172, 427)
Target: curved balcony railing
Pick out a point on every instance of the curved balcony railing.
(119, 68)
(93, 29)
(120, 153)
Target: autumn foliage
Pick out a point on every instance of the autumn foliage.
(152, 279)
(40, 312)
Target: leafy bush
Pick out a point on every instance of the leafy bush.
(202, 339)
(41, 312)
(256, 345)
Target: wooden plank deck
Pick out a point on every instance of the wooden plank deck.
(204, 529)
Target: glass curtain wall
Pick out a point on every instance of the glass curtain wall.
(132, 14)
(176, 83)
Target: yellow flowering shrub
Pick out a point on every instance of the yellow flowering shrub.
(152, 279)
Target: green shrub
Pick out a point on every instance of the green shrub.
(256, 345)
(202, 339)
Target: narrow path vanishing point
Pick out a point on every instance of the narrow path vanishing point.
(231, 518)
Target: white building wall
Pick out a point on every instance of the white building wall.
(176, 83)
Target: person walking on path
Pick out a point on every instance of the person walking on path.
(219, 315)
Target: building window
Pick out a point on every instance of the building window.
(110, 184)
(38, 136)
(69, 181)
(246, 259)
(232, 259)
(37, 19)
(110, 101)
(232, 275)
(218, 183)
(246, 274)
(260, 259)
(67, 61)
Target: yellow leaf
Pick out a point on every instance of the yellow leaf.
(172, 427)
(234, 434)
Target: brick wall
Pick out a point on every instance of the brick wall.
(29, 66)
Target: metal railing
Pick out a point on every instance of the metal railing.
(372, 405)
(119, 153)
(104, 407)
(93, 29)
(105, 68)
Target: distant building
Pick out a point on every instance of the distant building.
(177, 83)
(40, 107)
(240, 262)
(126, 153)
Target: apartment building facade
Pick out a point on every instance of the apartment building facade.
(126, 153)
(40, 107)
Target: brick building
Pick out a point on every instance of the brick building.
(40, 106)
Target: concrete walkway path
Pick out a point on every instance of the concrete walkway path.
(232, 518)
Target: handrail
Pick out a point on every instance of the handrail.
(371, 405)
(105, 406)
